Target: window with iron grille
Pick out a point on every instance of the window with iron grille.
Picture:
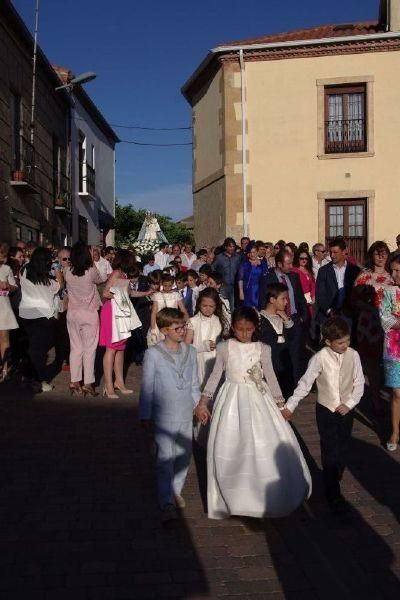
(345, 119)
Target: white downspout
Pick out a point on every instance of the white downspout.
(244, 144)
(110, 241)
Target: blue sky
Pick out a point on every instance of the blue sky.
(143, 52)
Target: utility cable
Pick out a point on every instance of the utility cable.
(135, 143)
(143, 128)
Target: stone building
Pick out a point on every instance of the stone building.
(297, 135)
(35, 191)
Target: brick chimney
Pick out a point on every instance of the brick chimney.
(389, 14)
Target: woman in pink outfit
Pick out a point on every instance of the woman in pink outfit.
(302, 265)
(84, 302)
(113, 361)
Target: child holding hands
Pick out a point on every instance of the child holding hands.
(169, 393)
(254, 463)
(337, 371)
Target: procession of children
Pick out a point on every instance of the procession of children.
(235, 381)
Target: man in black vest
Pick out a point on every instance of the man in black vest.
(296, 308)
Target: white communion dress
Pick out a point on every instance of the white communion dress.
(7, 317)
(205, 330)
(164, 300)
(255, 466)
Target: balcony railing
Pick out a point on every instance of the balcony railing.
(345, 135)
(23, 167)
(63, 199)
(90, 180)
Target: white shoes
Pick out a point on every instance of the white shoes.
(123, 390)
(391, 446)
(46, 387)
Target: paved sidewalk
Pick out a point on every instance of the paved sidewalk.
(79, 519)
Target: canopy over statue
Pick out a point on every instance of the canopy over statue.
(151, 230)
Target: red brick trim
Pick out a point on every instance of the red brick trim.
(354, 47)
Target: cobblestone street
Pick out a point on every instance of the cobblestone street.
(79, 518)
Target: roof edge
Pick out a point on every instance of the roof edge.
(83, 97)
(219, 50)
(65, 75)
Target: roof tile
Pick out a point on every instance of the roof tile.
(314, 33)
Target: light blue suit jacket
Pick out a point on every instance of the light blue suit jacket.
(170, 389)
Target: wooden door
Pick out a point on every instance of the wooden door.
(348, 219)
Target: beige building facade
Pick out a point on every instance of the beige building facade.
(297, 136)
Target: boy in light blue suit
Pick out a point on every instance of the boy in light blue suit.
(169, 393)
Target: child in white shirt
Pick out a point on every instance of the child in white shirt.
(337, 371)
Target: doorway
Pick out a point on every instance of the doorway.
(348, 219)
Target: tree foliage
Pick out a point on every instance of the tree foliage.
(129, 220)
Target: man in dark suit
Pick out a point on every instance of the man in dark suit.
(334, 284)
(296, 308)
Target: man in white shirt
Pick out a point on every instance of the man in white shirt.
(162, 257)
(188, 256)
(102, 264)
(151, 265)
(334, 283)
(319, 258)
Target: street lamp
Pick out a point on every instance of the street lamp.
(78, 80)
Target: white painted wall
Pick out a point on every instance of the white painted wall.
(105, 176)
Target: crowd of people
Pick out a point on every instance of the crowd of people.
(239, 332)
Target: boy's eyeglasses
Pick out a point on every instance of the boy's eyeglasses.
(178, 329)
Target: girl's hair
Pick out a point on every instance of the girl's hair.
(13, 251)
(296, 261)
(134, 272)
(274, 290)
(12, 263)
(124, 260)
(182, 276)
(292, 246)
(38, 268)
(81, 259)
(246, 313)
(217, 277)
(206, 269)
(202, 252)
(192, 273)
(165, 277)
(212, 294)
(304, 246)
(4, 247)
(379, 246)
(154, 277)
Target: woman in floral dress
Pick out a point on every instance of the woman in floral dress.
(390, 315)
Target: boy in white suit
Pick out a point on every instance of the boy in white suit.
(337, 371)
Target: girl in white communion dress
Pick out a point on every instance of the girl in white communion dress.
(204, 330)
(255, 466)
